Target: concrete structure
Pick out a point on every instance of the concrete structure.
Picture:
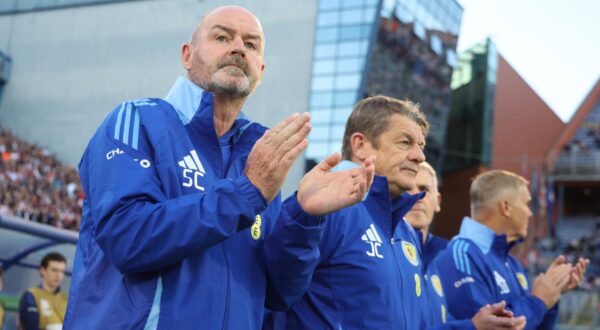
(74, 63)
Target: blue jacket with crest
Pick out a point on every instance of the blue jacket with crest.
(476, 269)
(369, 273)
(173, 235)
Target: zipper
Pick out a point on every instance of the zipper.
(401, 280)
(226, 313)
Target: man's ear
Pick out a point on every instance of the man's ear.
(361, 146)
(438, 207)
(186, 56)
(503, 205)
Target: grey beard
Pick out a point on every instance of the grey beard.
(232, 90)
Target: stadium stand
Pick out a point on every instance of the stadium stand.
(35, 186)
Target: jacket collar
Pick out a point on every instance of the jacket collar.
(187, 98)
(485, 238)
(377, 200)
(41, 286)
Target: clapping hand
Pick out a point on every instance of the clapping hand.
(321, 191)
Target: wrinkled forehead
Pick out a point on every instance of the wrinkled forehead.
(232, 17)
(402, 125)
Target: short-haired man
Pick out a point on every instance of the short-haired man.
(369, 273)
(476, 268)
(434, 312)
(43, 307)
(421, 215)
(182, 198)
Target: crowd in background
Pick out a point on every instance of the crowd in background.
(36, 186)
(546, 249)
(406, 66)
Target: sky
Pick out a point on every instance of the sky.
(553, 44)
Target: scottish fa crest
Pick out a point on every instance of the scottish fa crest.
(410, 252)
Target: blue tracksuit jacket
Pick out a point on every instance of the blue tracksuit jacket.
(476, 269)
(173, 235)
(434, 312)
(433, 245)
(369, 274)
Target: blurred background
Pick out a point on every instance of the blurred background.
(505, 85)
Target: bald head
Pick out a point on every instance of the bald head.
(216, 14)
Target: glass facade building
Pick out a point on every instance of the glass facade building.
(400, 48)
(473, 95)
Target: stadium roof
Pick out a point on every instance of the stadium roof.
(588, 104)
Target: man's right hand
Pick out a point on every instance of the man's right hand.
(274, 153)
(494, 316)
(321, 191)
(548, 286)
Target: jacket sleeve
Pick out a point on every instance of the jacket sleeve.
(469, 285)
(133, 221)
(291, 254)
(435, 312)
(534, 309)
(550, 319)
(466, 284)
(28, 312)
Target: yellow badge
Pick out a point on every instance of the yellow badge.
(443, 313)
(522, 280)
(255, 229)
(437, 285)
(410, 252)
(418, 285)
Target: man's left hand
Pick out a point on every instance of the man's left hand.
(577, 273)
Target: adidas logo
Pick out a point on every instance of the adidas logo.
(192, 170)
(372, 237)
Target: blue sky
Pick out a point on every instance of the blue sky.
(554, 45)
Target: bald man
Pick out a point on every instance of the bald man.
(182, 199)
